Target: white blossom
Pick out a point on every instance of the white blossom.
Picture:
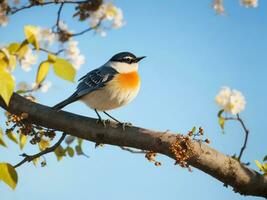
(46, 36)
(118, 19)
(78, 62)
(107, 11)
(249, 3)
(62, 25)
(45, 86)
(28, 60)
(73, 54)
(231, 101)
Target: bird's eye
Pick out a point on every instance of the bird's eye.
(128, 60)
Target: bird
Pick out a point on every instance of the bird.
(112, 85)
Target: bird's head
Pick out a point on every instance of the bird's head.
(125, 62)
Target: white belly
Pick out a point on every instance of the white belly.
(109, 97)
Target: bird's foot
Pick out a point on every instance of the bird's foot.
(103, 121)
(125, 124)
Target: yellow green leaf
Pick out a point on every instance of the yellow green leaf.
(22, 50)
(22, 141)
(8, 175)
(31, 35)
(12, 62)
(11, 136)
(4, 55)
(79, 150)
(259, 165)
(1, 139)
(3, 63)
(60, 152)
(51, 58)
(70, 151)
(7, 85)
(221, 122)
(13, 48)
(80, 141)
(7, 59)
(64, 69)
(42, 72)
(35, 161)
(43, 144)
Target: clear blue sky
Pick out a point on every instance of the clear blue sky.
(191, 53)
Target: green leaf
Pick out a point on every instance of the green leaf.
(22, 50)
(31, 35)
(1, 139)
(13, 48)
(12, 62)
(35, 161)
(22, 141)
(265, 158)
(42, 72)
(264, 167)
(3, 62)
(79, 150)
(43, 144)
(220, 113)
(4, 55)
(80, 141)
(8, 175)
(193, 129)
(51, 58)
(64, 69)
(7, 85)
(60, 153)
(221, 122)
(70, 151)
(11, 136)
(259, 165)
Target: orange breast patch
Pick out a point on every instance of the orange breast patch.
(128, 80)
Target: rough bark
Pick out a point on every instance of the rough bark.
(225, 169)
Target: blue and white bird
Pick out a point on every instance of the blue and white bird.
(114, 84)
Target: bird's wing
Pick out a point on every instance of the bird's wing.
(90, 82)
(94, 80)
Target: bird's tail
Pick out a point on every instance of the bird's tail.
(66, 102)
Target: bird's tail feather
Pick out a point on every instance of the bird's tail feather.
(66, 102)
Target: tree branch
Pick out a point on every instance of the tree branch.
(29, 158)
(224, 168)
(15, 10)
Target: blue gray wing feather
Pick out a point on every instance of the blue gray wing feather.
(92, 81)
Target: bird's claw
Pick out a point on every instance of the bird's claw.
(103, 121)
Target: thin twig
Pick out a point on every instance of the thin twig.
(246, 137)
(237, 118)
(133, 151)
(58, 17)
(82, 32)
(29, 158)
(88, 29)
(50, 52)
(15, 10)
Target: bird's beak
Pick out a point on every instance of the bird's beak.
(140, 58)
